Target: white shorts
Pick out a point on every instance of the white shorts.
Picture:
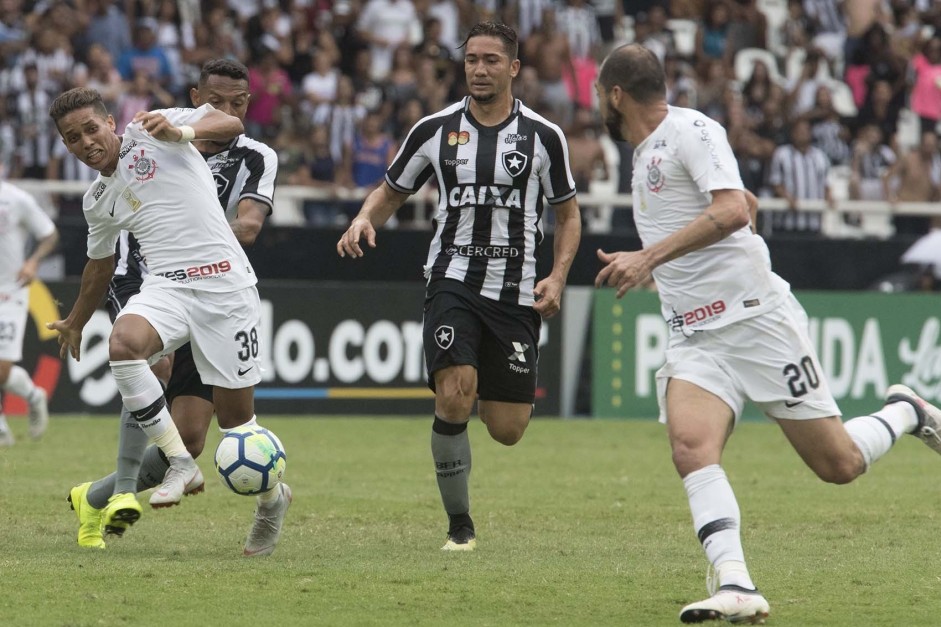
(768, 360)
(223, 328)
(13, 309)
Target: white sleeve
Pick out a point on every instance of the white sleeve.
(101, 239)
(181, 116)
(35, 219)
(708, 157)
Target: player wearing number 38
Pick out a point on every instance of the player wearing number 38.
(737, 332)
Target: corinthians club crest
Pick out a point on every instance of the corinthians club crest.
(655, 178)
(144, 167)
(514, 162)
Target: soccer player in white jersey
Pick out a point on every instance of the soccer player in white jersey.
(245, 171)
(737, 333)
(494, 160)
(20, 218)
(200, 286)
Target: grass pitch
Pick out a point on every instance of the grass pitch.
(582, 523)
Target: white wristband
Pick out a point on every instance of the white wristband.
(187, 134)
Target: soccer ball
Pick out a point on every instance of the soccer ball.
(250, 460)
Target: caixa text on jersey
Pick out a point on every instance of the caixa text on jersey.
(495, 196)
(195, 273)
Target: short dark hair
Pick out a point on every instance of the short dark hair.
(223, 67)
(637, 71)
(75, 99)
(499, 30)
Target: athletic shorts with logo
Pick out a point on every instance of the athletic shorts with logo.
(768, 359)
(500, 340)
(14, 306)
(222, 327)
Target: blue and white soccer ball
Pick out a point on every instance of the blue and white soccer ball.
(250, 460)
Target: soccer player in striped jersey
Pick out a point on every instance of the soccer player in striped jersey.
(244, 172)
(495, 161)
(737, 332)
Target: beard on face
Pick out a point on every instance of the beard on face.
(613, 121)
(484, 98)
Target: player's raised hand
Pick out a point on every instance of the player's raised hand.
(158, 126)
(70, 340)
(622, 270)
(548, 293)
(349, 242)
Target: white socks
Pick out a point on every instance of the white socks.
(143, 397)
(716, 519)
(251, 423)
(20, 383)
(874, 435)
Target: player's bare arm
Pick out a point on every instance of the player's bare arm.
(568, 233)
(95, 279)
(248, 222)
(214, 126)
(378, 207)
(727, 214)
(45, 246)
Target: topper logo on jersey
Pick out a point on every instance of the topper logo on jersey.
(444, 336)
(458, 139)
(519, 356)
(655, 178)
(514, 162)
(144, 167)
(496, 196)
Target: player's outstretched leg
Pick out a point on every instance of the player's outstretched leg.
(929, 416)
(6, 436)
(89, 518)
(269, 519)
(450, 448)
(20, 383)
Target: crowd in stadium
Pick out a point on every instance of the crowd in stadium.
(821, 99)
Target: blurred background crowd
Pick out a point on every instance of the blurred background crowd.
(822, 99)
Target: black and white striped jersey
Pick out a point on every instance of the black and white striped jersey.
(491, 184)
(245, 169)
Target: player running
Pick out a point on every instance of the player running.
(199, 287)
(20, 217)
(495, 160)
(737, 331)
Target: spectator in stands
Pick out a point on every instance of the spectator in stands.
(799, 172)
(609, 14)
(341, 118)
(103, 77)
(798, 29)
(549, 50)
(271, 91)
(712, 35)
(758, 89)
(803, 91)
(714, 80)
(52, 59)
(926, 90)
(433, 47)
(385, 24)
(827, 129)
(270, 29)
(143, 94)
(578, 21)
(320, 85)
(748, 27)
(146, 56)
(371, 154)
(680, 85)
(217, 37)
(402, 82)
(319, 170)
(916, 177)
(586, 153)
(871, 166)
(177, 39)
(342, 29)
(108, 26)
(861, 15)
(448, 15)
(829, 26)
(880, 109)
(35, 134)
(650, 30)
(751, 149)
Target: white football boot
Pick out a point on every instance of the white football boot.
(929, 416)
(731, 603)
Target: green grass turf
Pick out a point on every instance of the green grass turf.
(582, 523)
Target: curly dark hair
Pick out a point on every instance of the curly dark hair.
(223, 67)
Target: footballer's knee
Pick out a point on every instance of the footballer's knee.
(840, 470)
(689, 457)
(507, 433)
(454, 396)
(5, 367)
(124, 345)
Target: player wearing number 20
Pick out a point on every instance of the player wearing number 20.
(737, 332)
(200, 288)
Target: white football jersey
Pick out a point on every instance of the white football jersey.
(20, 217)
(675, 169)
(164, 193)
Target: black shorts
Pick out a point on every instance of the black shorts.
(184, 378)
(500, 340)
(116, 300)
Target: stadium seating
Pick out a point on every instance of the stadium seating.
(684, 35)
(745, 62)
